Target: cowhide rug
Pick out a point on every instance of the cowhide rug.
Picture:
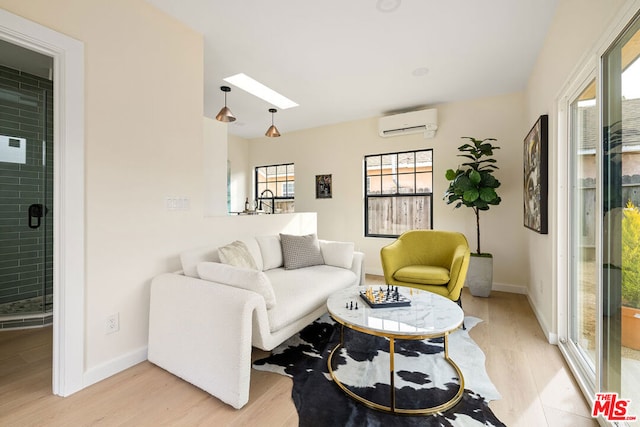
(423, 378)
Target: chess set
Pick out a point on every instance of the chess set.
(382, 298)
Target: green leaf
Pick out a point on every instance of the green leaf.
(488, 194)
(489, 180)
(463, 182)
(450, 175)
(488, 167)
(481, 205)
(487, 149)
(470, 195)
(473, 164)
(474, 177)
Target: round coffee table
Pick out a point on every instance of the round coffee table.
(428, 316)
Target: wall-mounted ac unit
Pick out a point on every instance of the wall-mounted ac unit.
(422, 121)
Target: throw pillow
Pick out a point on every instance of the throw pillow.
(244, 278)
(190, 259)
(237, 254)
(337, 254)
(300, 251)
(271, 251)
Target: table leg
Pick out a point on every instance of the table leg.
(392, 379)
(446, 345)
(392, 405)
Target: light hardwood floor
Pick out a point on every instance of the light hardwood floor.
(536, 387)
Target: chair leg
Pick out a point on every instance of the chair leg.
(459, 301)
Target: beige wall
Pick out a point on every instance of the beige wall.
(339, 150)
(144, 142)
(572, 36)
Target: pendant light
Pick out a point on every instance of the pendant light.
(272, 132)
(225, 114)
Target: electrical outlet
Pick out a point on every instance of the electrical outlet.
(112, 324)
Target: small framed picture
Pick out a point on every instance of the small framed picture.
(323, 186)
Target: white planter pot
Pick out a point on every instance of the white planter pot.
(480, 276)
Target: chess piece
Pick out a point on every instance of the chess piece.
(356, 305)
(346, 305)
(351, 306)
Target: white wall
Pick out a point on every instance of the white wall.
(143, 142)
(241, 173)
(571, 37)
(213, 159)
(339, 150)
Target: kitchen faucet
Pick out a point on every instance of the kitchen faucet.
(273, 200)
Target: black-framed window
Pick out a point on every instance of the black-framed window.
(275, 183)
(398, 192)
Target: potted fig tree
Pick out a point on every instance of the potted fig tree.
(473, 185)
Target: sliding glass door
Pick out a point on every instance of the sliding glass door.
(621, 217)
(602, 223)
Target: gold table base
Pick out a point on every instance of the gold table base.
(392, 406)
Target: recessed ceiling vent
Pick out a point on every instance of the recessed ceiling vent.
(422, 121)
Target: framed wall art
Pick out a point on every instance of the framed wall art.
(324, 186)
(536, 176)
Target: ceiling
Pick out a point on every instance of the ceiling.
(347, 60)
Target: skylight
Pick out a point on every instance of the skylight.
(256, 88)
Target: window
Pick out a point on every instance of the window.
(398, 192)
(275, 184)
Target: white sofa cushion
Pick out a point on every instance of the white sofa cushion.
(237, 254)
(252, 280)
(337, 254)
(191, 258)
(301, 291)
(271, 251)
(300, 251)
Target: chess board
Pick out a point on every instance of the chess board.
(382, 298)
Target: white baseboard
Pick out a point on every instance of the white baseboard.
(552, 337)
(114, 366)
(507, 287)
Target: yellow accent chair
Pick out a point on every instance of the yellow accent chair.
(432, 260)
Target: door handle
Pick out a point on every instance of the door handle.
(36, 212)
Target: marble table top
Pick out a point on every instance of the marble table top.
(428, 315)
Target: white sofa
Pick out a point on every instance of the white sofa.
(204, 320)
